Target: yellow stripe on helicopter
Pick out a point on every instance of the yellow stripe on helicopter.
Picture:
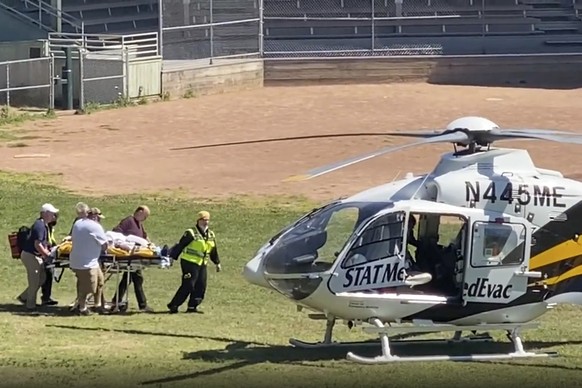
(557, 253)
(577, 271)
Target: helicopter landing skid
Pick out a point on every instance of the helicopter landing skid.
(387, 356)
(328, 343)
(332, 344)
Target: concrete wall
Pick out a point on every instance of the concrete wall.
(187, 78)
(548, 71)
(11, 51)
(14, 29)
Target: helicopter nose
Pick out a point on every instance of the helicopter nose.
(253, 274)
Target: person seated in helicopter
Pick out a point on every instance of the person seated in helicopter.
(411, 239)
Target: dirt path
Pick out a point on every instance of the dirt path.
(127, 151)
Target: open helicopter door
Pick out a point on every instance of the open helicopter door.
(375, 258)
(497, 270)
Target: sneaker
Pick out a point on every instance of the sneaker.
(173, 309)
(85, 312)
(49, 302)
(146, 309)
(194, 310)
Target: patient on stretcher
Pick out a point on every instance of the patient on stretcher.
(119, 246)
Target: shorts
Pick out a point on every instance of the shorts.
(89, 280)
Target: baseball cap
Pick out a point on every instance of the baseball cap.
(47, 207)
(96, 211)
(203, 215)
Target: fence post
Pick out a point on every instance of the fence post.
(483, 18)
(261, 27)
(52, 82)
(8, 84)
(160, 29)
(126, 73)
(373, 26)
(81, 79)
(211, 32)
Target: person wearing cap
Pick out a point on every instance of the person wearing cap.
(196, 246)
(89, 242)
(47, 286)
(35, 253)
(95, 214)
(133, 225)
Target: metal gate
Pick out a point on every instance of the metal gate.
(27, 82)
(103, 77)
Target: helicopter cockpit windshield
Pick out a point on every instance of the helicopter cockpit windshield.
(313, 243)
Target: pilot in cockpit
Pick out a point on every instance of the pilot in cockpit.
(411, 239)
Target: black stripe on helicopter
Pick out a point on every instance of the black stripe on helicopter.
(559, 235)
(452, 312)
(524, 194)
(551, 235)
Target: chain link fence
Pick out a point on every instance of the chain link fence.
(103, 77)
(27, 83)
(211, 29)
(298, 28)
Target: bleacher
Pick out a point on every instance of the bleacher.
(114, 16)
(230, 39)
(304, 19)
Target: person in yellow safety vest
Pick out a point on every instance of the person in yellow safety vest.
(194, 249)
(47, 286)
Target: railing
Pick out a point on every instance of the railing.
(41, 8)
(367, 27)
(137, 46)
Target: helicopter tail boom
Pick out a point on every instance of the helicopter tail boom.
(557, 254)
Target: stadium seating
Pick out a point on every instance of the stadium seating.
(231, 39)
(303, 19)
(114, 16)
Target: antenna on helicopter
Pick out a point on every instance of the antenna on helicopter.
(471, 132)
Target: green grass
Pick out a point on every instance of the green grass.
(241, 340)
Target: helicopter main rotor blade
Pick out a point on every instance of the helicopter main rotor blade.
(277, 139)
(557, 136)
(454, 137)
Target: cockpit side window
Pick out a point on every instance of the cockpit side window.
(500, 244)
(381, 239)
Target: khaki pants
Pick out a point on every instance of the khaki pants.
(36, 276)
(89, 281)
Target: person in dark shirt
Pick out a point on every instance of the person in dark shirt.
(133, 225)
(35, 253)
(194, 248)
(47, 286)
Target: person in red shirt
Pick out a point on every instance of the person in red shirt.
(134, 225)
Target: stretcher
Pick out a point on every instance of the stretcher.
(115, 261)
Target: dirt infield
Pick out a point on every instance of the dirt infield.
(127, 150)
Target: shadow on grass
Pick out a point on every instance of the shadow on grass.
(47, 311)
(152, 333)
(19, 309)
(240, 354)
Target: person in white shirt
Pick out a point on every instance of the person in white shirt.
(89, 241)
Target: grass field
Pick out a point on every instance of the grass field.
(241, 340)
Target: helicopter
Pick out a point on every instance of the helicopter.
(484, 241)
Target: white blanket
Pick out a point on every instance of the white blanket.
(131, 240)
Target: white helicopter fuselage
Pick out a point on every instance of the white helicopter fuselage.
(497, 188)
